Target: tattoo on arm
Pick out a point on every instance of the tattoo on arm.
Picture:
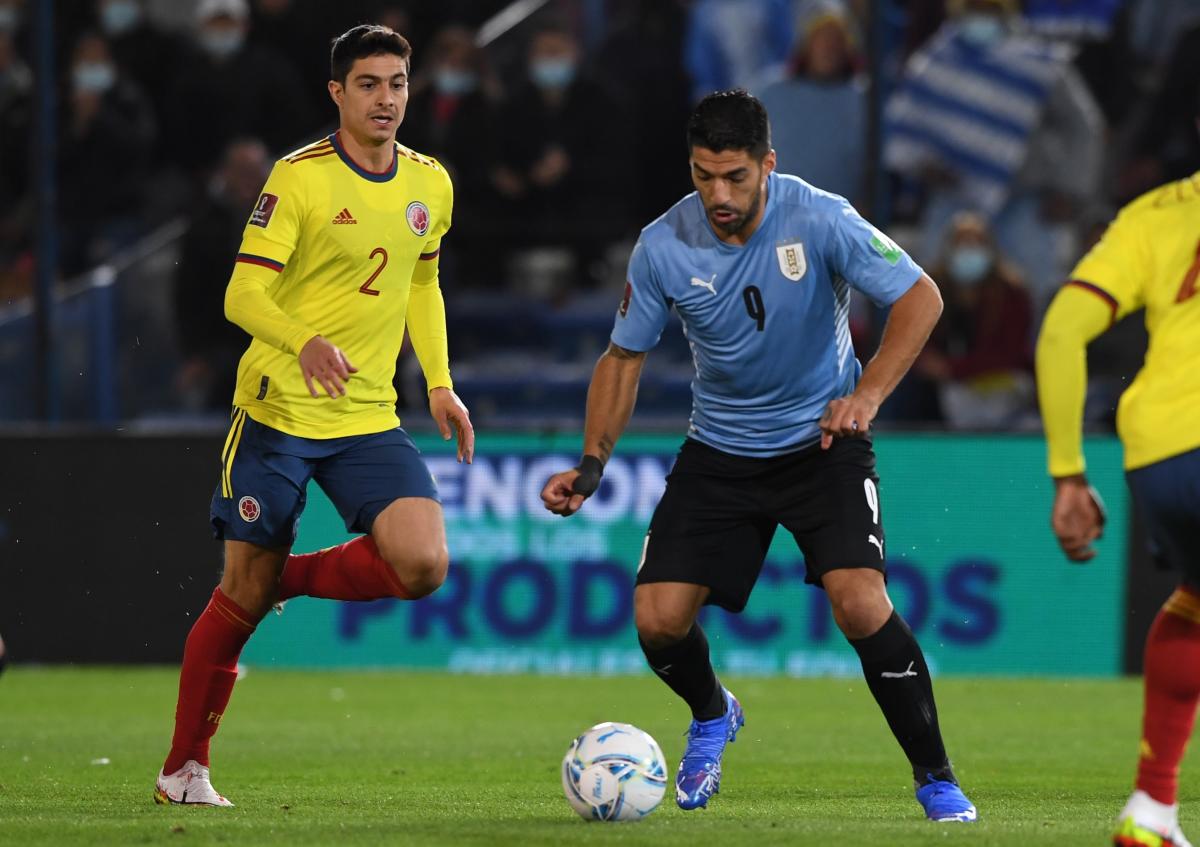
(606, 447)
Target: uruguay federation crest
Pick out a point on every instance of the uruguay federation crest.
(792, 263)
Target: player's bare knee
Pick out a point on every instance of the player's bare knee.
(422, 569)
(859, 614)
(658, 627)
(252, 590)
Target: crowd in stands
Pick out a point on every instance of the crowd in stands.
(991, 139)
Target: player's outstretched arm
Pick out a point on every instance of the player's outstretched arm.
(912, 318)
(1074, 318)
(611, 397)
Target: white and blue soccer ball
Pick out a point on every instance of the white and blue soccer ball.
(614, 772)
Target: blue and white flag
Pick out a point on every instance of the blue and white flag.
(970, 110)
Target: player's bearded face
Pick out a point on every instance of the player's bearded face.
(731, 185)
(373, 100)
(732, 219)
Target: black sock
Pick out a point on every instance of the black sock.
(898, 677)
(685, 667)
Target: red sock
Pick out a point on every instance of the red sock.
(206, 678)
(1172, 668)
(350, 571)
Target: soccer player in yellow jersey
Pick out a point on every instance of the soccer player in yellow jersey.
(339, 256)
(1149, 257)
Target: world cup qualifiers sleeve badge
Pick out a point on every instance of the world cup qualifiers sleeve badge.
(263, 209)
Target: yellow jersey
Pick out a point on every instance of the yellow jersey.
(1149, 257)
(336, 250)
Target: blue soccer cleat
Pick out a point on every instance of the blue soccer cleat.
(699, 775)
(945, 802)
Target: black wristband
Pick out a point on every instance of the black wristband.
(591, 469)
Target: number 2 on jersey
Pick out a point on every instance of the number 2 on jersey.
(366, 288)
(1188, 290)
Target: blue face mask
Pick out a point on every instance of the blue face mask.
(94, 77)
(552, 73)
(222, 43)
(969, 265)
(454, 82)
(982, 30)
(120, 16)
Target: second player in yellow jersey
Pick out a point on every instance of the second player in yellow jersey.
(1149, 257)
(339, 257)
(336, 250)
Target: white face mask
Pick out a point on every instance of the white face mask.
(120, 16)
(222, 43)
(969, 264)
(552, 73)
(982, 29)
(93, 77)
(454, 82)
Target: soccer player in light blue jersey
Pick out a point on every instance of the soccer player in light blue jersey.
(759, 267)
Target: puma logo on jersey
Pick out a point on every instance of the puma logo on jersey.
(879, 544)
(344, 217)
(710, 284)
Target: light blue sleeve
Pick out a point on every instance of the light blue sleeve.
(866, 258)
(643, 312)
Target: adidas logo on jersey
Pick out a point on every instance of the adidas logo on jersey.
(344, 217)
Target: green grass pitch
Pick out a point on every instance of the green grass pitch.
(399, 758)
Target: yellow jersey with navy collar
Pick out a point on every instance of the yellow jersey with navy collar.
(336, 250)
(1149, 257)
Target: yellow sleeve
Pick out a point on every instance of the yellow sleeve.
(1075, 317)
(426, 317)
(1120, 264)
(270, 238)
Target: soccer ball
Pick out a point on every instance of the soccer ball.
(614, 772)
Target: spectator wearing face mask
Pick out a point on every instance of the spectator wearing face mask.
(230, 87)
(144, 52)
(107, 135)
(823, 84)
(991, 120)
(980, 357)
(209, 344)
(560, 144)
(450, 116)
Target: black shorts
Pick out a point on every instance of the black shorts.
(719, 512)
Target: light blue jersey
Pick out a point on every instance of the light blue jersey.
(767, 322)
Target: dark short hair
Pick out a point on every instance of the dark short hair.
(362, 41)
(730, 120)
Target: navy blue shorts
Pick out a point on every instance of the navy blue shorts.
(265, 474)
(1167, 496)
